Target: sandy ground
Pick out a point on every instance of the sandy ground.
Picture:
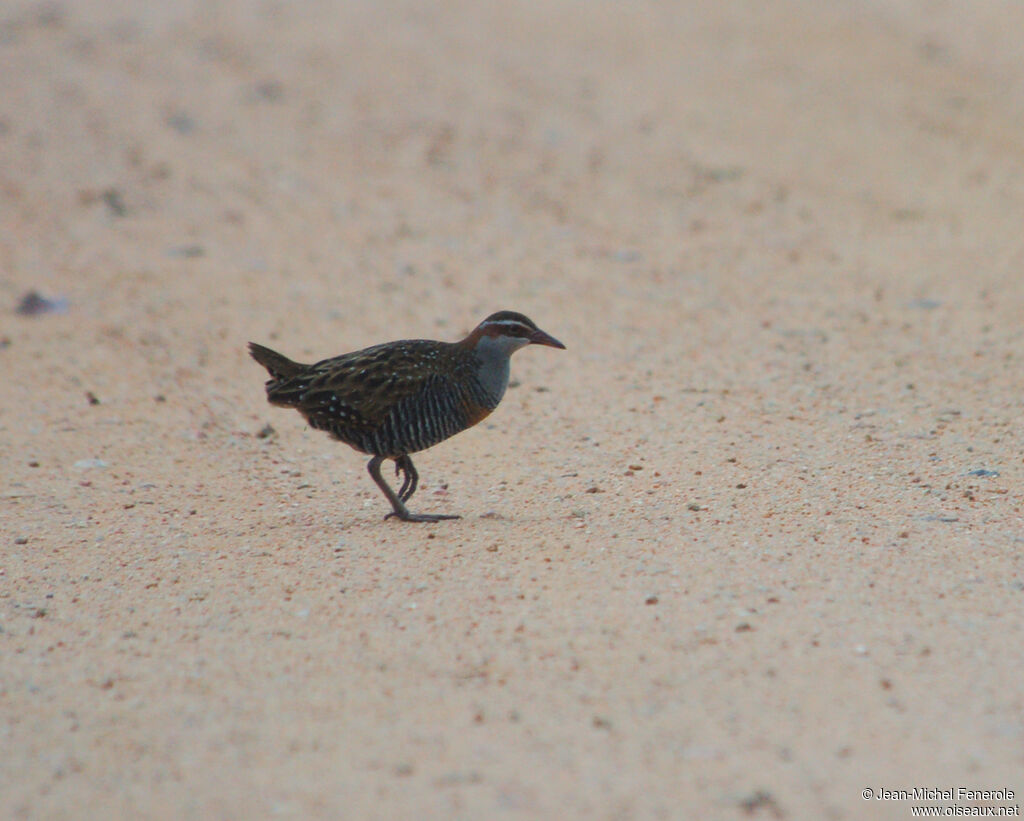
(752, 544)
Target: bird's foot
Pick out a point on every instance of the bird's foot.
(421, 517)
(403, 464)
(410, 478)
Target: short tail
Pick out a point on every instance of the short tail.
(279, 366)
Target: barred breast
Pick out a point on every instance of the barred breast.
(438, 411)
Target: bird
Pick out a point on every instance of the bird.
(398, 398)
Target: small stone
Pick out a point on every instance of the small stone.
(114, 201)
(761, 800)
(21, 540)
(35, 304)
(269, 90)
(186, 251)
(89, 464)
(181, 122)
(651, 600)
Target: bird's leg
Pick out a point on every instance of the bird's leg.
(400, 510)
(403, 464)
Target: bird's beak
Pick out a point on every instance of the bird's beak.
(538, 337)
